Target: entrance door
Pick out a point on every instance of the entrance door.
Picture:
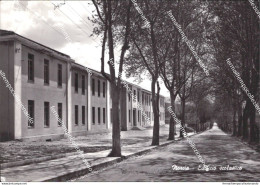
(134, 117)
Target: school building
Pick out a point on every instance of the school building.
(43, 77)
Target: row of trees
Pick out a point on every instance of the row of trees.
(217, 31)
(157, 51)
(236, 36)
(197, 116)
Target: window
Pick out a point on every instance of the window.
(98, 115)
(139, 116)
(129, 116)
(98, 88)
(30, 67)
(93, 87)
(138, 97)
(31, 113)
(76, 82)
(46, 71)
(104, 89)
(83, 84)
(142, 98)
(134, 96)
(83, 115)
(46, 114)
(59, 75)
(76, 115)
(93, 115)
(129, 97)
(111, 115)
(104, 115)
(60, 113)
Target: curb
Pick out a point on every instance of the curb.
(98, 166)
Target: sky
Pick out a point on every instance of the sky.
(63, 27)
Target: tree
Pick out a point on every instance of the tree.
(108, 19)
(145, 53)
(237, 38)
(178, 73)
(201, 90)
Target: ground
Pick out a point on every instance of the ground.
(216, 148)
(12, 151)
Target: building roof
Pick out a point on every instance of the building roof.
(11, 33)
(6, 32)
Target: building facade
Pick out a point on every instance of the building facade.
(42, 78)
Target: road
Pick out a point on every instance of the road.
(216, 148)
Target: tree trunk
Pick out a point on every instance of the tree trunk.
(240, 118)
(252, 134)
(252, 110)
(256, 129)
(197, 119)
(172, 125)
(156, 126)
(182, 116)
(245, 119)
(234, 122)
(116, 144)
